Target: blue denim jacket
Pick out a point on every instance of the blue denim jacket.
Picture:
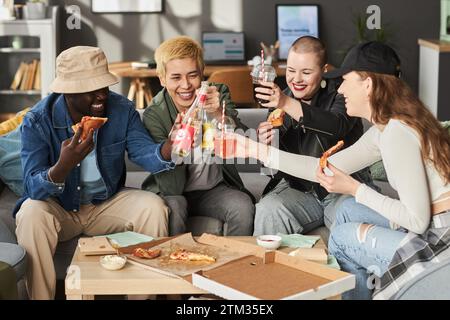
(48, 124)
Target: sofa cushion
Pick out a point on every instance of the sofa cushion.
(7, 202)
(15, 256)
(6, 234)
(323, 232)
(11, 124)
(378, 172)
(10, 163)
(432, 284)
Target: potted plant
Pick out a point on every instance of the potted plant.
(384, 34)
(35, 9)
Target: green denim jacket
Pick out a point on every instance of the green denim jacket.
(159, 118)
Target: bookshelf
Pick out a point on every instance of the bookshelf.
(20, 50)
(38, 45)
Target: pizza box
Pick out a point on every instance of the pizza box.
(180, 269)
(318, 255)
(269, 275)
(95, 246)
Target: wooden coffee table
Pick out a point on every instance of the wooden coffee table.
(86, 278)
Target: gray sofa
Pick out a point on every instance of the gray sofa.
(255, 183)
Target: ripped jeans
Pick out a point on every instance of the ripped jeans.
(364, 245)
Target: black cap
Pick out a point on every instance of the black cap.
(371, 56)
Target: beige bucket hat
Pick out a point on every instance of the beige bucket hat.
(82, 69)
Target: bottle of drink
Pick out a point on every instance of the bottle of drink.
(190, 125)
(225, 143)
(209, 132)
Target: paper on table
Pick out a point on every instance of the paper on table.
(298, 240)
(128, 238)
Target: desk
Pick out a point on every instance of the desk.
(86, 278)
(140, 89)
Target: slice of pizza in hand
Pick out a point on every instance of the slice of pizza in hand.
(184, 255)
(276, 117)
(88, 123)
(324, 159)
(146, 253)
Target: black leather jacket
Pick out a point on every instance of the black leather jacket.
(324, 123)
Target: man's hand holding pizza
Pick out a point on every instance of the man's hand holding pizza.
(73, 151)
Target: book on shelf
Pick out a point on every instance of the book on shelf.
(28, 76)
(32, 75)
(18, 76)
(37, 78)
(23, 81)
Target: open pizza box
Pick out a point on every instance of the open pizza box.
(269, 275)
(245, 270)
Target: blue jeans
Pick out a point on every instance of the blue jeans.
(365, 254)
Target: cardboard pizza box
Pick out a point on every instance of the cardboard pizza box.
(318, 255)
(95, 246)
(269, 275)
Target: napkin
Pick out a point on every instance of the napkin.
(298, 240)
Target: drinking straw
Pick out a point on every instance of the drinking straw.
(223, 118)
(262, 63)
(223, 128)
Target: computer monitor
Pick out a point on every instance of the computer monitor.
(223, 47)
(294, 21)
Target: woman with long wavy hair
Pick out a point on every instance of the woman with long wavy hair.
(384, 241)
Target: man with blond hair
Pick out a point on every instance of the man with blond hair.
(75, 186)
(202, 189)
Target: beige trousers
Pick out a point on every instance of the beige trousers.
(41, 224)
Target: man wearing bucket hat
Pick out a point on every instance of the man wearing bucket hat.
(74, 186)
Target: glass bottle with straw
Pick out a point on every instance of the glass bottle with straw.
(208, 131)
(190, 125)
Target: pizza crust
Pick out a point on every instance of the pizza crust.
(324, 158)
(146, 253)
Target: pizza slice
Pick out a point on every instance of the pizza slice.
(184, 255)
(324, 159)
(146, 253)
(276, 117)
(88, 123)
